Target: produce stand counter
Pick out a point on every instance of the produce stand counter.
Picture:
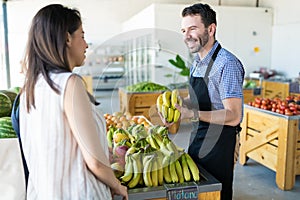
(208, 188)
(272, 140)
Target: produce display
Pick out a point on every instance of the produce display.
(288, 106)
(147, 156)
(146, 86)
(7, 98)
(166, 105)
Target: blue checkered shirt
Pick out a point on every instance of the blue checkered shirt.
(225, 78)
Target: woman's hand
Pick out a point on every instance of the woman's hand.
(120, 190)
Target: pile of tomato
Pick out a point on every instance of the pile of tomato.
(288, 106)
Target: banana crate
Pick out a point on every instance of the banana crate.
(272, 140)
(144, 103)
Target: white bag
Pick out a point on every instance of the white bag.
(12, 179)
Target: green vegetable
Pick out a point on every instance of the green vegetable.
(146, 86)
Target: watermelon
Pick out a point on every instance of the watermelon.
(6, 101)
(6, 129)
(5, 105)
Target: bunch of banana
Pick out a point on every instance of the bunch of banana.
(166, 105)
(137, 170)
(189, 168)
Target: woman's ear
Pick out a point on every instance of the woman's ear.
(69, 39)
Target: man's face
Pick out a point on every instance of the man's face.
(195, 34)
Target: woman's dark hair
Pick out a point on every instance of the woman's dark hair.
(207, 14)
(46, 46)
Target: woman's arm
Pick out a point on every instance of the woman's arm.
(78, 110)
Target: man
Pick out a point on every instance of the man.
(215, 101)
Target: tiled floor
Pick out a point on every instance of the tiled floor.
(251, 181)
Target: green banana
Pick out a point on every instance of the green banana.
(137, 170)
(179, 171)
(174, 97)
(171, 147)
(185, 168)
(109, 136)
(193, 167)
(128, 170)
(165, 150)
(167, 98)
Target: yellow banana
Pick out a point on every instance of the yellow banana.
(157, 139)
(166, 171)
(141, 181)
(176, 115)
(180, 101)
(174, 97)
(164, 112)
(128, 170)
(167, 98)
(170, 114)
(185, 168)
(152, 142)
(160, 157)
(154, 173)
(179, 171)
(159, 103)
(173, 172)
(193, 167)
(137, 169)
(147, 162)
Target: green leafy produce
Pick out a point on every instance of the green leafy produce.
(146, 86)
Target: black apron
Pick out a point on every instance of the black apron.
(212, 145)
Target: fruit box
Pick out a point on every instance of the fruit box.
(144, 103)
(137, 103)
(272, 140)
(272, 89)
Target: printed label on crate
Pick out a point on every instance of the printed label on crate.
(182, 191)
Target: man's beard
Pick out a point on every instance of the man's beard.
(200, 43)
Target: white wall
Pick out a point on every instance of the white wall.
(103, 18)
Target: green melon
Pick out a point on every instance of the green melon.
(5, 105)
(6, 129)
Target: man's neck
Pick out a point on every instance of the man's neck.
(205, 50)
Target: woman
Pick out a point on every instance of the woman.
(63, 136)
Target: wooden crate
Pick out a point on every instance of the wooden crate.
(137, 103)
(271, 89)
(249, 95)
(273, 140)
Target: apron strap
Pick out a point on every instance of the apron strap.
(211, 62)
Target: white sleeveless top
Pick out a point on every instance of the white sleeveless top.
(57, 169)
